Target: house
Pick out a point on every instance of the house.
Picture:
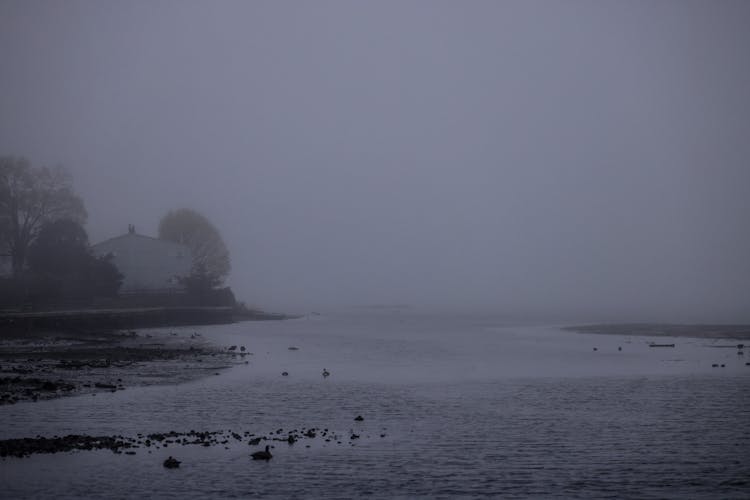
(147, 264)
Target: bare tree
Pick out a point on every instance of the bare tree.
(210, 254)
(29, 198)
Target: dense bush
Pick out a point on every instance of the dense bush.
(62, 267)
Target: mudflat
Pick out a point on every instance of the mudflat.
(44, 365)
(740, 332)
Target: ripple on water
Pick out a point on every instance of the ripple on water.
(679, 436)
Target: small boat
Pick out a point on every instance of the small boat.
(661, 345)
(262, 455)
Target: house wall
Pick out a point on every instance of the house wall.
(147, 264)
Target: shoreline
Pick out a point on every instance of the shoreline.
(736, 332)
(76, 320)
(146, 443)
(42, 365)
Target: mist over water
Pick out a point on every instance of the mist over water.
(436, 188)
(452, 407)
(577, 160)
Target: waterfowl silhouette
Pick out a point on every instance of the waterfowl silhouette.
(262, 455)
(171, 463)
(325, 372)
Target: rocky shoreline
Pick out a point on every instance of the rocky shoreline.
(43, 365)
(24, 447)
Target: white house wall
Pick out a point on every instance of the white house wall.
(147, 264)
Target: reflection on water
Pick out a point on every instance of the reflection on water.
(467, 408)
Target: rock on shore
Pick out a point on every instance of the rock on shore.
(39, 366)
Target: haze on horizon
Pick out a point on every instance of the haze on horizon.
(565, 159)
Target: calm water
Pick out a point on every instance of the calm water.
(469, 407)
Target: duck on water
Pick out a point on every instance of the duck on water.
(262, 455)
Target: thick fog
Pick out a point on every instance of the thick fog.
(555, 159)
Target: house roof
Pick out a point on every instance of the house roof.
(136, 235)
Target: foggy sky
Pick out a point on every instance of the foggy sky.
(585, 159)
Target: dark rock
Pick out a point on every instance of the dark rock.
(27, 446)
(48, 386)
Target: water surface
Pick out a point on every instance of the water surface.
(466, 406)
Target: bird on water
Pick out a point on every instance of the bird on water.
(262, 455)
